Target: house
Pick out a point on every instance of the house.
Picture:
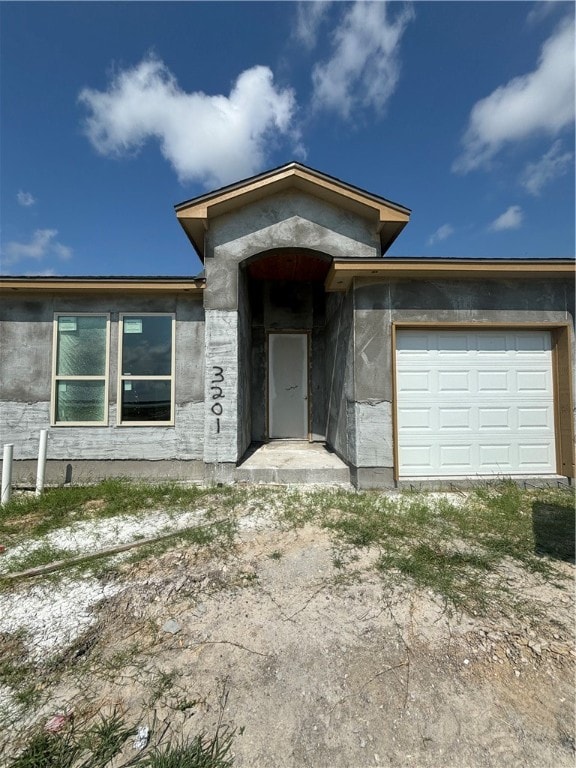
(302, 328)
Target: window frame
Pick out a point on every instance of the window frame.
(122, 377)
(56, 377)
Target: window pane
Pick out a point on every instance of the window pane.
(81, 346)
(80, 401)
(146, 401)
(147, 346)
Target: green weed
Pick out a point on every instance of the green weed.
(97, 745)
(26, 516)
(445, 546)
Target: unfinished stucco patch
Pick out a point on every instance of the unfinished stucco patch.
(374, 434)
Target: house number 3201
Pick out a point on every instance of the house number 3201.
(217, 394)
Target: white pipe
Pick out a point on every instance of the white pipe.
(41, 471)
(7, 473)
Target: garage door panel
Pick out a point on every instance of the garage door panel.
(535, 417)
(529, 342)
(533, 381)
(495, 418)
(414, 418)
(492, 380)
(412, 344)
(417, 458)
(493, 344)
(454, 418)
(491, 455)
(414, 381)
(453, 381)
(455, 456)
(453, 343)
(535, 455)
(475, 403)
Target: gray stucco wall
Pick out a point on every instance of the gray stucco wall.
(244, 367)
(288, 220)
(26, 328)
(339, 375)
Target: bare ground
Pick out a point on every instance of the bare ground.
(315, 665)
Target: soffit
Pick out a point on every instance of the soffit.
(342, 273)
(288, 264)
(81, 285)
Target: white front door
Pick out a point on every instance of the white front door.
(288, 385)
(474, 402)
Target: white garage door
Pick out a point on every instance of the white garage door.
(474, 403)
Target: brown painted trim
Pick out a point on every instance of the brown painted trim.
(194, 214)
(342, 273)
(216, 203)
(563, 401)
(102, 286)
(479, 325)
(562, 366)
(395, 436)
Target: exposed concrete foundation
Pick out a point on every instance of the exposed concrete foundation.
(367, 478)
(80, 472)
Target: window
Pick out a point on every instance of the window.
(146, 369)
(80, 369)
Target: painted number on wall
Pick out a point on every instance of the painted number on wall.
(217, 394)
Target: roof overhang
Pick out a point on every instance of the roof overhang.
(343, 272)
(120, 285)
(194, 215)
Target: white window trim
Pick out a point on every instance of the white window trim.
(60, 377)
(122, 378)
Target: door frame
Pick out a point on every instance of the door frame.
(560, 333)
(289, 332)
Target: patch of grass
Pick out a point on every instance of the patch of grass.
(447, 545)
(26, 515)
(299, 509)
(122, 658)
(17, 674)
(202, 752)
(220, 533)
(97, 745)
(161, 684)
(453, 575)
(44, 554)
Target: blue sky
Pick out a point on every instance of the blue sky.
(111, 113)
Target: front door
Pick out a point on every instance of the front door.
(288, 385)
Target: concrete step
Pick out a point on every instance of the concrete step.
(292, 462)
(293, 475)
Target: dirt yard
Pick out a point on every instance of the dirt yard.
(316, 664)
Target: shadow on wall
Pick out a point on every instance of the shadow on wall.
(553, 526)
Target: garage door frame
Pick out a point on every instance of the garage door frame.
(561, 375)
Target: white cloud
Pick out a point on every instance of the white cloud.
(541, 102)
(552, 165)
(215, 139)
(441, 234)
(41, 273)
(510, 219)
(43, 243)
(25, 199)
(540, 10)
(309, 17)
(364, 68)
